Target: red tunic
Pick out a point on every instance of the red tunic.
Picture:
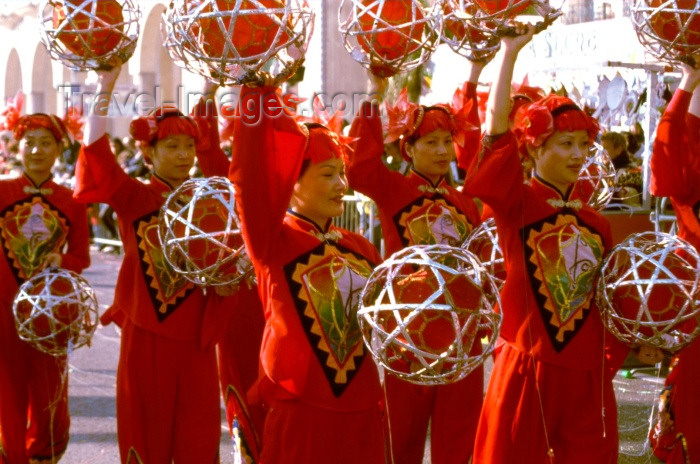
(35, 221)
(312, 352)
(238, 322)
(552, 247)
(148, 290)
(413, 211)
(167, 382)
(675, 172)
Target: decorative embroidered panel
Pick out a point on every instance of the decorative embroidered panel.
(325, 284)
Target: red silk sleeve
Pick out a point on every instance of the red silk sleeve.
(472, 139)
(212, 161)
(97, 174)
(265, 165)
(365, 169)
(671, 155)
(496, 176)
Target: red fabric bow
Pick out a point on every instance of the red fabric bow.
(401, 118)
(73, 119)
(12, 112)
(533, 124)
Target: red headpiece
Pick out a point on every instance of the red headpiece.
(536, 122)
(324, 133)
(165, 121)
(407, 120)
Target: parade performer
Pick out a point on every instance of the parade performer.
(239, 337)
(675, 169)
(550, 397)
(167, 382)
(320, 384)
(422, 208)
(40, 225)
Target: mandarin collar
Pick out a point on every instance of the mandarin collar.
(309, 225)
(549, 191)
(442, 182)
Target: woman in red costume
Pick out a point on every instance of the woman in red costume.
(320, 384)
(675, 170)
(40, 225)
(550, 397)
(167, 383)
(422, 208)
(240, 334)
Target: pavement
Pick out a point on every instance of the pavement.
(93, 373)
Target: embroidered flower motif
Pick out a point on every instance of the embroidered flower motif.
(533, 124)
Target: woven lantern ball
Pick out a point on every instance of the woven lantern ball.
(669, 29)
(85, 34)
(389, 36)
(423, 313)
(506, 8)
(460, 34)
(102, 38)
(648, 291)
(483, 242)
(596, 181)
(496, 15)
(200, 232)
(252, 29)
(56, 311)
(238, 41)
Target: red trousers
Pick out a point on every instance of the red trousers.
(512, 429)
(296, 432)
(239, 361)
(168, 406)
(34, 418)
(452, 411)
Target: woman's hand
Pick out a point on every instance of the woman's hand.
(377, 86)
(52, 260)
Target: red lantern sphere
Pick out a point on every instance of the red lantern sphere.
(253, 33)
(209, 220)
(432, 330)
(84, 36)
(496, 6)
(55, 311)
(667, 25)
(394, 43)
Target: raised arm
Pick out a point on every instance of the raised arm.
(468, 97)
(97, 172)
(212, 159)
(498, 158)
(498, 106)
(268, 151)
(673, 154)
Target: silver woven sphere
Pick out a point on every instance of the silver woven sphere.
(423, 312)
(596, 181)
(460, 34)
(495, 16)
(668, 29)
(483, 242)
(200, 232)
(86, 34)
(56, 311)
(238, 41)
(389, 37)
(648, 291)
